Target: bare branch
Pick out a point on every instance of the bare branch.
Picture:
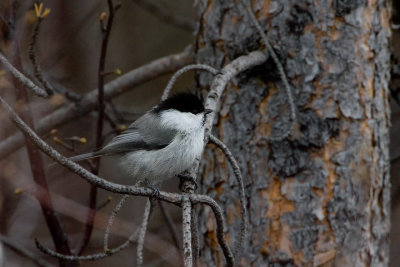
(247, 6)
(160, 13)
(32, 56)
(219, 83)
(219, 218)
(111, 220)
(24, 252)
(187, 233)
(92, 257)
(182, 71)
(37, 72)
(143, 228)
(22, 78)
(107, 251)
(236, 170)
(89, 101)
(195, 238)
(99, 129)
(100, 85)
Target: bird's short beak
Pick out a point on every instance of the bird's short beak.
(208, 111)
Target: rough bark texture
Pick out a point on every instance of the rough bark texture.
(320, 197)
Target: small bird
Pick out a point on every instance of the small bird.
(162, 143)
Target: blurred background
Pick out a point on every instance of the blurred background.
(68, 50)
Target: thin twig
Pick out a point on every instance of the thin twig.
(160, 13)
(236, 170)
(88, 103)
(219, 218)
(107, 251)
(32, 56)
(187, 233)
(22, 78)
(91, 257)
(219, 83)
(100, 84)
(282, 74)
(195, 238)
(143, 229)
(182, 71)
(99, 129)
(111, 220)
(24, 252)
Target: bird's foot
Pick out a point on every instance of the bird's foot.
(183, 178)
(156, 191)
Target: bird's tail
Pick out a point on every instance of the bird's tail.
(81, 157)
(85, 156)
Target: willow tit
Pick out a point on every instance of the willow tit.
(162, 143)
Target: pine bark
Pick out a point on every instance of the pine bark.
(322, 196)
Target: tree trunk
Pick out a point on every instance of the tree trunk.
(322, 196)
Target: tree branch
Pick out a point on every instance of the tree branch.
(182, 71)
(92, 257)
(22, 78)
(24, 252)
(111, 220)
(89, 101)
(282, 74)
(142, 233)
(219, 218)
(32, 56)
(195, 238)
(236, 170)
(100, 122)
(37, 69)
(187, 233)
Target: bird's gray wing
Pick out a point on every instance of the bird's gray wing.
(146, 133)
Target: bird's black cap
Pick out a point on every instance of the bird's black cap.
(183, 102)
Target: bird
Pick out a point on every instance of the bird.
(162, 143)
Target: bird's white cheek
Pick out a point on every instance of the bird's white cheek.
(182, 121)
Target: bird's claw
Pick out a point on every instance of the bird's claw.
(183, 178)
(156, 192)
